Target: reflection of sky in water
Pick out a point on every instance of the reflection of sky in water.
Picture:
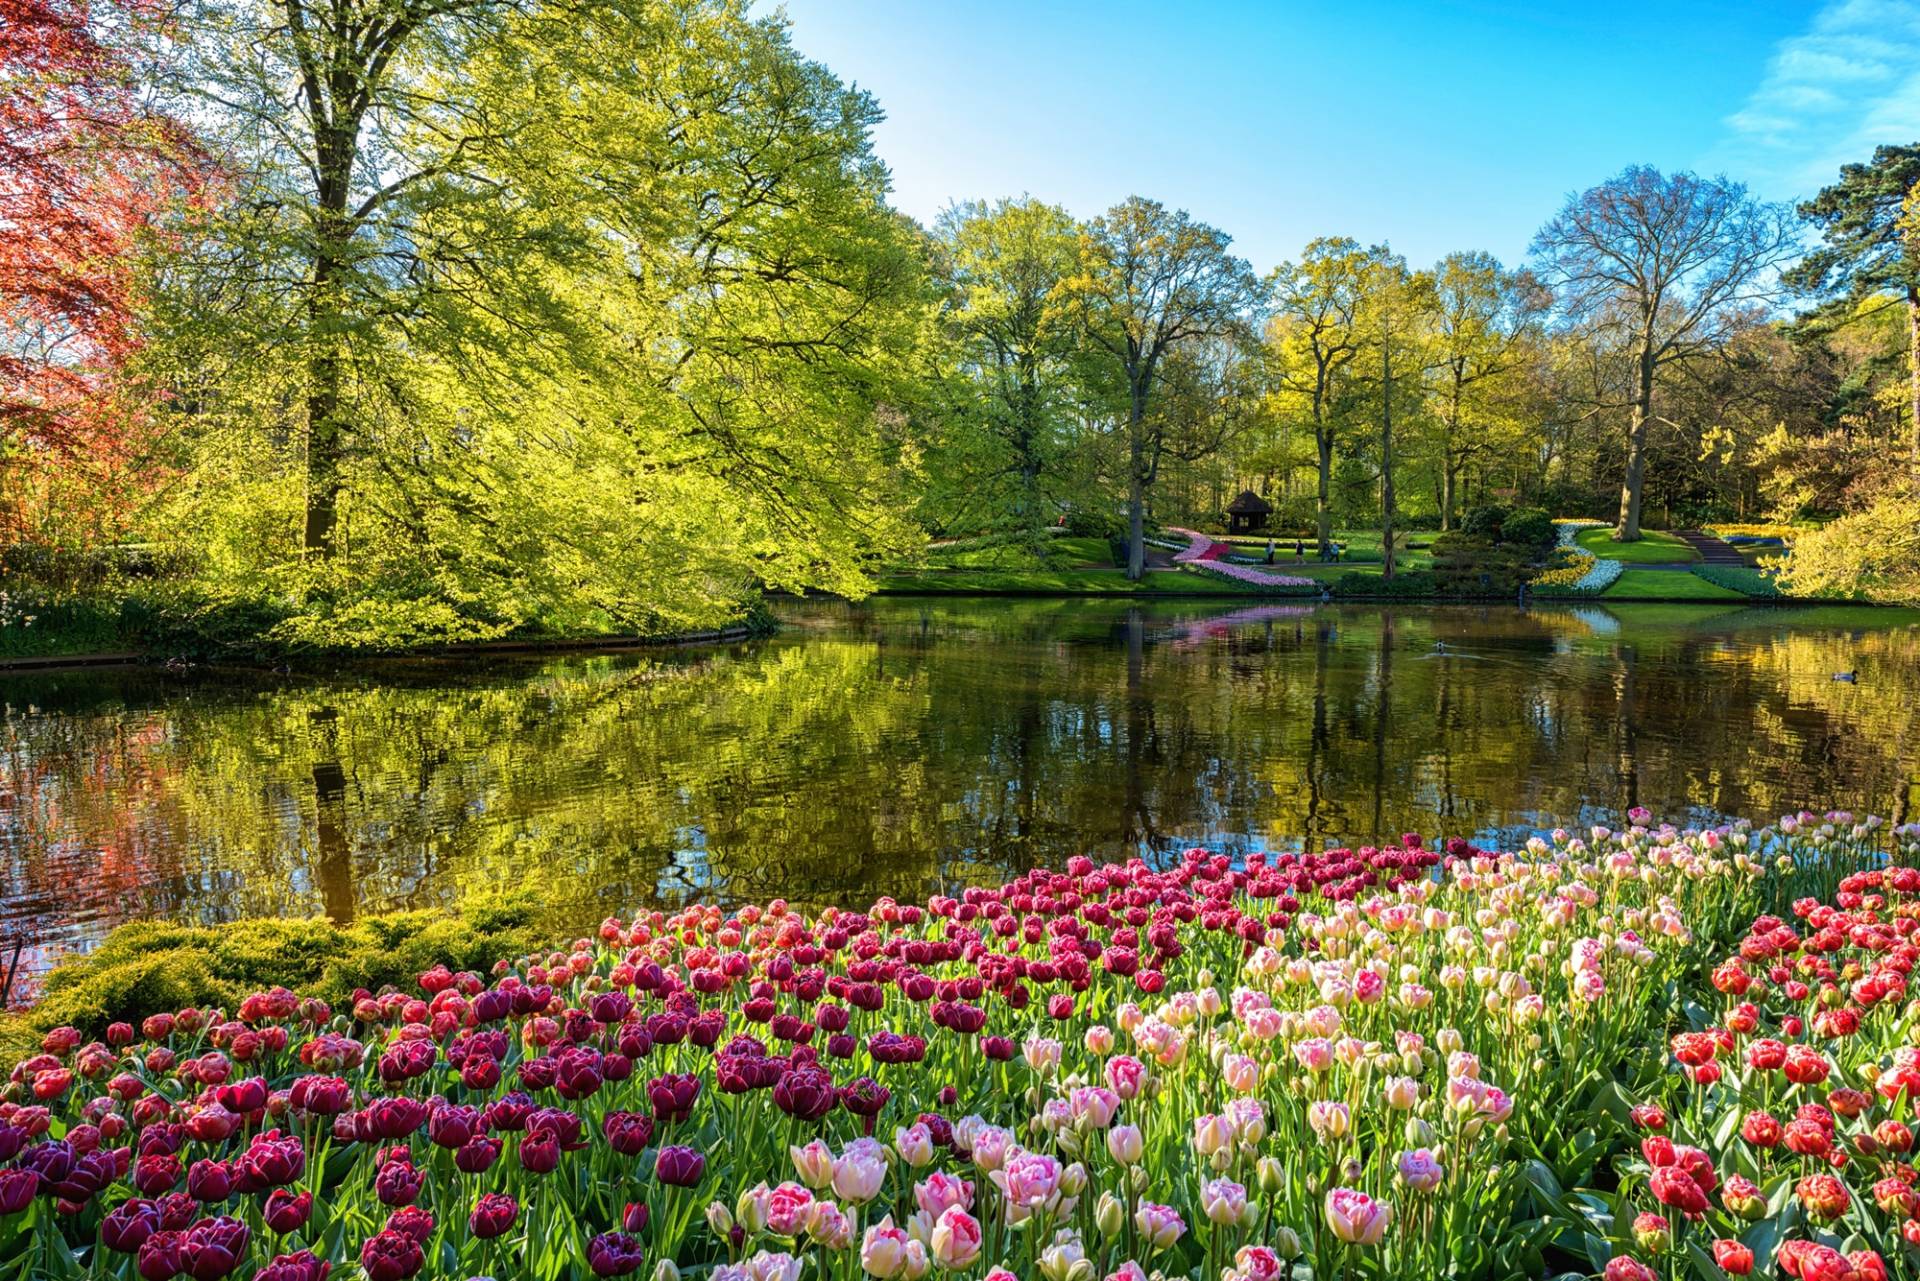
(915, 744)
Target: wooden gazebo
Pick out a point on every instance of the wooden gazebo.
(1248, 513)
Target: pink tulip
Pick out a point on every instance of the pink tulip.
(954, 1242)
(1355, 1217)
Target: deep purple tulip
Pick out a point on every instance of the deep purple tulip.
(615, 1254)
(539, 1152)
(393, 1117)
(806, 1093)
(320, 1095)
(156, 1175)
(163, 1256)
(287, 1212)
(414, 1221)
(391, 1256)
(628, 1133)
(209, 1181)
(452, 1126)
(302, 1266)
(634, 1217)
(509, 1112)
(272, 1161)
(493, 1215)
(673, 1096)
(128, 1225)
(477, 1155)
(214, 1247)
(17, 1190)
(397, 1183)
(679, 1167)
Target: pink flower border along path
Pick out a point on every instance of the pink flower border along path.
(1204, 553)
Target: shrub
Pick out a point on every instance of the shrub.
(1095, 522)
(151, 965)
(1531, 527)
(1483, 521)
(1408, 583)
(1751, 582)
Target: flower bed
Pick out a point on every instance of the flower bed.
(1384, 1062)
(1582, 573)
(1204, 553)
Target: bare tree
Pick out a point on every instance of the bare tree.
(1661, 268)
(1151, 281)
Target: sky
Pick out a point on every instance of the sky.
(1431, 125)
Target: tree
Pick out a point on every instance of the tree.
(1313, 338)
(1148, 283)
(349, 125)
(86, 170)
(1482, 321)
(634, 352)
(1001, 264)
(1660, 268)
(1873, 551)
(1870, 221)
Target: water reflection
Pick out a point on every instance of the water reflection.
(906, 743)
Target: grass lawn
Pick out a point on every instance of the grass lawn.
(1063, 582)
(1656, 547)
(1062, 552)
(1666, 584)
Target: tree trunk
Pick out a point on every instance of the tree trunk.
(1324, 516)
(1137, 488)
(1386, 455)
(1628, 530)
(334, 148)
(323, 450)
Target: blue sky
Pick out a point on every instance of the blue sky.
(1430, 124)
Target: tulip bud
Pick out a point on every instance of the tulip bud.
(1109, 1215)
(719, 1218)
(665, 1270)
(1286, 1244)
(1271, 1177)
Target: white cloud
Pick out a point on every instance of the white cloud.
(1831, 94)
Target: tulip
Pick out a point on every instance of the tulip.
(954, 1242)
(1224, 1202)
(1159, 1226)
(1356, 1218)
(883, 1250)
(680, 1167)
(615, 1254)
(493, 1215)
(286, 1211)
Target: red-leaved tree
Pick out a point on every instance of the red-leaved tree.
(86, 169)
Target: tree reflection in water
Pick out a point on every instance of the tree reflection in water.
(904, 743)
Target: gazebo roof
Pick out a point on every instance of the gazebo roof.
(1249, 504)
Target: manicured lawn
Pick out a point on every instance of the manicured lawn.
(1655, 547)
(1062, 581)
(1666, 584)
(1061, 552)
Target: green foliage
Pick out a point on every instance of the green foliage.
(154, 965)
(1415, 584)
(1528, 527)
(1466, 564)
(1748, 582)
(1653, 547)
(1666, 584)
(1483, 521)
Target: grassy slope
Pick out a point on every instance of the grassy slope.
(1666, 584)
(1655, 547)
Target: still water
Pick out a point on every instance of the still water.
(907, 744)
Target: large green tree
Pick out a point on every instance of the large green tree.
(1151, 281)
(1660, 268)
(1870, 223)
(602, 358)
(1316, 332)
(1001, 264)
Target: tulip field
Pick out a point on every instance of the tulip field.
(1634, 1054)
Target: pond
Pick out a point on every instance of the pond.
(906, 744)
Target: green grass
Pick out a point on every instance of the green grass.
(1067, 582)
(1666, 584)
(1655, 547)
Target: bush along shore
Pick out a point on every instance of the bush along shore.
(1643, 1053)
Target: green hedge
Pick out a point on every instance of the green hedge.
(1750, 581)
(150, 966)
